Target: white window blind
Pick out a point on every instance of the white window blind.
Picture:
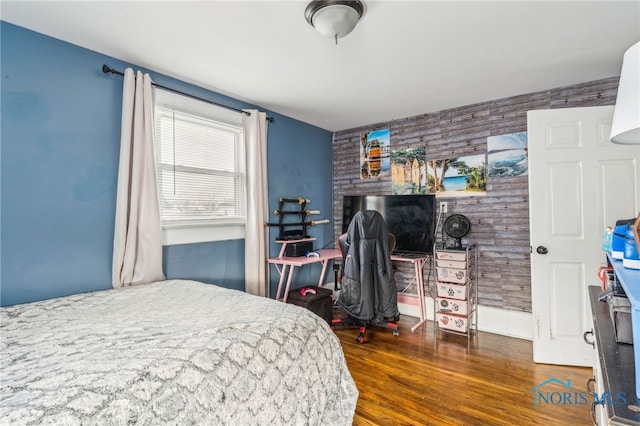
(200, 163)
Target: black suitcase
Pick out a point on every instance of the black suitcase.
(316, 299)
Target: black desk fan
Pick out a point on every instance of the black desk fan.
(456, 226)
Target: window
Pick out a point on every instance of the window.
(200, 164)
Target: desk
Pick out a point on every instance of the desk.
(289, 263)
(418, 265)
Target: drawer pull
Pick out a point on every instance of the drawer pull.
(593, 412)
(587, 341)
(591, 391)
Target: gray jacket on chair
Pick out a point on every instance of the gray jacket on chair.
(369, 290)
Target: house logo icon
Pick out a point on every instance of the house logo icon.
(557, 392)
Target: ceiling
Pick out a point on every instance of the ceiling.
(404, 58)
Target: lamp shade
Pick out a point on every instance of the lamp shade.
(625, 127)
(333, 18)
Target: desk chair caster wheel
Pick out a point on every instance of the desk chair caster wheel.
(396, 332)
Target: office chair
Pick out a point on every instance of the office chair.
(368, 292)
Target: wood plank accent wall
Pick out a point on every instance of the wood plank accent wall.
(499, 220)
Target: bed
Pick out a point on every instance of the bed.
(171, 352)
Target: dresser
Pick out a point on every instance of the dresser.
(613, 386)
(456, 298)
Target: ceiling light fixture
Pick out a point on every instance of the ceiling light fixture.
(625, 127)
(334, 18)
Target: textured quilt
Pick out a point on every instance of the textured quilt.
(172, 352)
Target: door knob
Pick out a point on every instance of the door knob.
(542, 250)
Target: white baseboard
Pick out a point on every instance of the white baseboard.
(492, 320)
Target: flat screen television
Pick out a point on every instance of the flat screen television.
(411, 218)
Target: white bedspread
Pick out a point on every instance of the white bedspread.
(172, 352)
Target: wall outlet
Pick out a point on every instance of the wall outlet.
(443, 206)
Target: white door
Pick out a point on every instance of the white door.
(579, 182)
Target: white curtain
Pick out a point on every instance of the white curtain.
(255, 251)
(137, 240)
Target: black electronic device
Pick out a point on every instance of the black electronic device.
(410, 218)
(298, 248)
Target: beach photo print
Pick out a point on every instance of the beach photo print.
(507, 155)
(460, 176)
(374, 154)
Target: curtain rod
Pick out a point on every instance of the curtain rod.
(107, 69)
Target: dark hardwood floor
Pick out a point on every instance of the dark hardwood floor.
(409, 380)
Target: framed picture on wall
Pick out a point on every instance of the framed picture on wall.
(507, 155)
(409, 171)
(460, 176)
(374, 154)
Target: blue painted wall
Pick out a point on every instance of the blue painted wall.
(60, 139)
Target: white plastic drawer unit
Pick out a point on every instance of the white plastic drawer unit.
(453, 322)
(454, 291)
(456, 299)
(451, 275)
(456, 264)
(459, 256)
(446, 305)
